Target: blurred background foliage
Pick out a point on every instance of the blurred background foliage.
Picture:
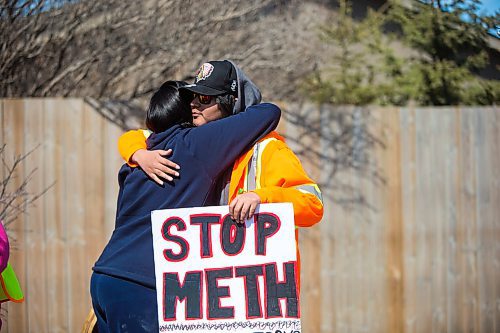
(450, 56)
(428, 52)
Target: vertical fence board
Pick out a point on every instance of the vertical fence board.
(494, 138)
(342, 252)
(35, 249)
(449, 210)
(56, 305)
(75, 215)
(450, 216)
(357, 241)
(371, 219)
(55, 203)
(487, 217)
(425, 258)
(456, 320)
(408, 179)
(496, 223)
(66, 115)
(470, 307)
(392, 221)
(327, 227)
(93, 127)
(439, 175)
(348, 260)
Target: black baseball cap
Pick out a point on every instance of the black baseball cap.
(215, 78)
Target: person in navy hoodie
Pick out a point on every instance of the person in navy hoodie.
(123, 282)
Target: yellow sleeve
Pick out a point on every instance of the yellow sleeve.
(130, 142)
(283, 179)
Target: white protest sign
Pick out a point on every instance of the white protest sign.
(215, 276)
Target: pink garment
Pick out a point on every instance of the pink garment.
(4, 252)
(4, 248)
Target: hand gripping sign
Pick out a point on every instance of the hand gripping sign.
(213, 275)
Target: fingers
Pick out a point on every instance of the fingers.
(248, 210)
(161, 174)
(165, 169)
(243, 207)
(244, 212)
(164, 152)
(166, 162)
(234, 208)
(156, 179)
(158, 167)
(252, 209)
(155, 165)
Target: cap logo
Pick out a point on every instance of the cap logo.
(233, 85)
(205, 71)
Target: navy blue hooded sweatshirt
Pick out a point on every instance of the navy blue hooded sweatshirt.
(204, 152)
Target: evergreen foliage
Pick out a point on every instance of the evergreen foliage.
(449, 44)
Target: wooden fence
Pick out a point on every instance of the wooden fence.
(61, 237)
(420, 253)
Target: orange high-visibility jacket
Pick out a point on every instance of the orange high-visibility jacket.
(279, 177)
(270, 169)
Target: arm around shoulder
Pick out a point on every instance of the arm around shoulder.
(129, 143)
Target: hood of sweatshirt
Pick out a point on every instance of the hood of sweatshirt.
(158, 140)
(248, 93)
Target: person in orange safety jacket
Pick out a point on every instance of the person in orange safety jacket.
(268, 173)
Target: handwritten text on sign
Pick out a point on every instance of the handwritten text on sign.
(214, 275)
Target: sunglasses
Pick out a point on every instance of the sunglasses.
(204, 99)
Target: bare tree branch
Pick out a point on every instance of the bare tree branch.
(15, 198)
(119, 49)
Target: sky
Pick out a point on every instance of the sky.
(490, 6)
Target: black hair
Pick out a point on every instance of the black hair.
(169, 106)
(226, 104)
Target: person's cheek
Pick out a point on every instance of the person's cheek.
(209, 116)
